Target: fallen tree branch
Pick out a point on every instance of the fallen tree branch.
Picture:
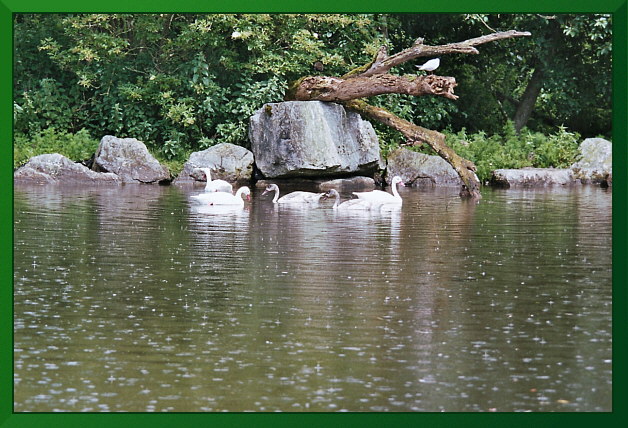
(374, 79)
(465, 168)
(334, 89)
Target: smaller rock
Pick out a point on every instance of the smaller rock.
(532, 177)
(227, 161)
(130, 160)
(56, 168)
(596, 162)
(348, 184)
(418, 169)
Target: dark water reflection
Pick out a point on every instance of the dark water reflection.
(133, 299)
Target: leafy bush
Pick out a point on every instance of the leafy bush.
(178, 82)
(48, 105)
(78, 147)
(512, 150)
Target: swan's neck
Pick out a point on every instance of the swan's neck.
(239, 192)
(208, 176)
(394, 191)
(276, 195)
(337, 203)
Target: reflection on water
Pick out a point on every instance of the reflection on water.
(132, 298)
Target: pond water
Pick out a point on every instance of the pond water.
(132, 298)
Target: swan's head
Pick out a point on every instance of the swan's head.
(397, 180)
(332, 193)
(270, 188)
(244, 191)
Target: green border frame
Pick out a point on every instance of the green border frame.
(619, 9)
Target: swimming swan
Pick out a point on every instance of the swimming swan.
(294, 197)
(381, 197)
(351, 204)
(224, 198)
(215, 185)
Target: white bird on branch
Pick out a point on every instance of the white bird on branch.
(430, 66)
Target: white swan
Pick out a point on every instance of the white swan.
(224, 198)
(294, 197)
(381, 197)
(215, 185)
(351, 204)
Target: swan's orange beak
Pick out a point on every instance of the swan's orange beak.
(401, 184)
(248, 197)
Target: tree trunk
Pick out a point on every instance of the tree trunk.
(374, 79)
(528, 99)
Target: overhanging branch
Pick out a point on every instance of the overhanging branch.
(374, 79)
(383, 64)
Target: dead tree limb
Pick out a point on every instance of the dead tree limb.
(374, 79)
(334, 89)
(383, 63)
(465, 168)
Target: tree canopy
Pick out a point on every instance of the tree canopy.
(183, 82)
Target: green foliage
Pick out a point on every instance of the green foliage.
(78, 147)
(49, 105)
(176, 82)
(511, 150)
(184, 82)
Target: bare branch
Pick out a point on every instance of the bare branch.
(418, 49)
(495, 36)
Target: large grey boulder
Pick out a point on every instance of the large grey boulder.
(419, 169)
(595, 164)
(56, 168)
(130, 160)
(227, 162)
(532, 177)
(312, 139)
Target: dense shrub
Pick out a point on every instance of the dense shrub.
(178, 82)
(511, 150)
(78, 147)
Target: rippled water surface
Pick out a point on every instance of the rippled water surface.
(131, 298)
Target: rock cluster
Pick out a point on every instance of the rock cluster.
(303, 140)
(117, 160)
(596, 162)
